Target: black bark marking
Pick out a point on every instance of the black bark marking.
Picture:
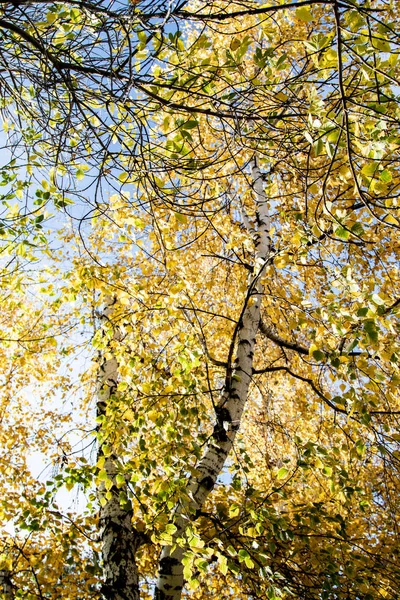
(220, 434)
(207, 482)
(159, 594)
(117, 591)
(223, 417)
(167, 564)
(223, 414)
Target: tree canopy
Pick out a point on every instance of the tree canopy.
(200, 292)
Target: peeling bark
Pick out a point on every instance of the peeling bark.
(229, 411)
(118, 537)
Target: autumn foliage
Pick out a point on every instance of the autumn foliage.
(200, 300)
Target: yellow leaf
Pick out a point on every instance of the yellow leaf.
(391, 219)
(303, 14)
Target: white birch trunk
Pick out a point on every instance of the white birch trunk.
(119, 539)
(229, 412)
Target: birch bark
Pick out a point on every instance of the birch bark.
(6, 588)
(229, 411)
(118, 537)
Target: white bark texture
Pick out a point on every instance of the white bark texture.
(229, 412)
(119, 539)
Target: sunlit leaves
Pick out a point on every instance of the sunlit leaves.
(304, 14)
(305, 505)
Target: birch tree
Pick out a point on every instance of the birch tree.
(230, 407)
(245, 369)
(119, 540)
(300, 366)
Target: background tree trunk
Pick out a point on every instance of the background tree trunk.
(6, 587)
(119, 539)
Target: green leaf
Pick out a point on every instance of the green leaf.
(187, 572)
(123, 177)
(381, 44)
(103, 475)
(282, 473)
(361, 448)
(244, 556)
(370, 169)
(371, 331)
(120, 479)
(106, 450)
(223, 564)
(142, 35)
(318, 355)
(303, 14)
(202, 564)
(342, 233)
(357, 229)
(235, 44)
(171, 529)
(385, 176)
(189, 124)
(181, 218)
(193, 584)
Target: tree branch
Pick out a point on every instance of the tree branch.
(267, 331)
